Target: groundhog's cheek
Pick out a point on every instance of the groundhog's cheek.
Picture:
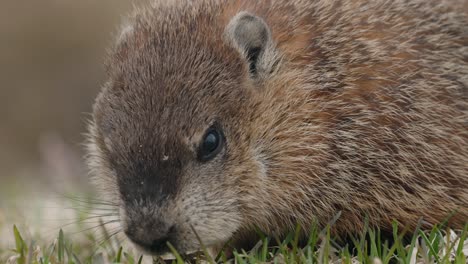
(214, 227)
(213, 214)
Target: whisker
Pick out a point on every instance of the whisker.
(93, 216)
(94, 223)
(86, 222)
(107, 238)
(88, 201)
(106, 233)
(100, 225)
(93, 206)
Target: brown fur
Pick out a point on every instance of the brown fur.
(364, 111)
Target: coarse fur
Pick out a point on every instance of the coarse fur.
(351, 106)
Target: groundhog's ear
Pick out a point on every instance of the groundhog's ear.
(252, 37)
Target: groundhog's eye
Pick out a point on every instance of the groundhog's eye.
(211, 144)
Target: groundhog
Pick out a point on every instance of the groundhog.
(223, 117)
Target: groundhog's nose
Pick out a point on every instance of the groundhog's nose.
(153, 240)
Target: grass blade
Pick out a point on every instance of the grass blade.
(61, 247)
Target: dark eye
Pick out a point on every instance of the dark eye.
(211, 144)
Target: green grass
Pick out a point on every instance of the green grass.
(430, 246)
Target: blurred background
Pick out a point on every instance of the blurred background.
(51, 68)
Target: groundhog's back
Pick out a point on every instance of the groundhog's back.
(367, 115)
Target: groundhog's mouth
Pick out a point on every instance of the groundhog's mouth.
(165, 254)
(171, 256)
(195, 255)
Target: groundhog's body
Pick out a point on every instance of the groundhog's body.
(358, 107)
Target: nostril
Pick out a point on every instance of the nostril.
(171, 230)
(159, 243)
(155, 242)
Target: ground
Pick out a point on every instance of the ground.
(80, 235)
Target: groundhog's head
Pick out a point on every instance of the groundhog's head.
(171, 140)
